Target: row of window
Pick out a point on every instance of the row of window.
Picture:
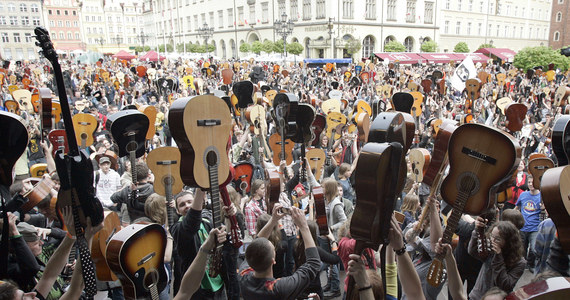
(24, 21)
(498, 9)
(11, 7)
(113, 40)
(60, 23)
(65, 12)
(19, 53)
(16, 37)
(506, 31)
(63, 36)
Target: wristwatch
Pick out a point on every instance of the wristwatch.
(400, 251)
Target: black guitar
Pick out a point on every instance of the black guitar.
(305, 118)
(561, 140)
(403, 102)
(75, 171)
(14, 143)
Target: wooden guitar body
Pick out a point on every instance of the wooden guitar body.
(320, 210)
(150, 112)
(164, 163)
(111, 225)
(439, 151)
(319, 124)
(14, 142)
(58, 139)
(555, 189)
(561, 139)
(478, 165)
(334, 119)
(85, 126)
(416, 110)
(537, 167)
(275, 145)
(129, 128)
(419, 158)
(552, 288)
(201, 127)
(272, 188)
(316, 158)
(243, 173)
(136, 255)
(516, 113)
(403, 102)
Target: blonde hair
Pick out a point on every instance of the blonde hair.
(155, 208)
(331, 188)
(411, 203)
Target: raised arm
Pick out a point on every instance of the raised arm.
(276, 215)
(455, 284)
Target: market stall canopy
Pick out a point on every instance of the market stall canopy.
(151, 56)
(401, 57)
(440, 58)
(124, 55)
(477, 57)
(504, 54)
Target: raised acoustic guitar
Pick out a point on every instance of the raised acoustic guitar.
(537, 167)
(561, 139)
(111, 225)
(551, 288)
(555, 189)
(243, 173)
(85, 126)
(136, 255)
(477, 168)
(14, 142)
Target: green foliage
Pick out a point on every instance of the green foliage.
(160, 48)
(485, 46)
(256, 47)
(295, 48)
(352, 46)
(461, 47)
(268, 46)
(244, 48)
(394, 46)
(429, 46)
(278, 46)
(192, 48)
(141, 49)
(531, 57)
(180, 47)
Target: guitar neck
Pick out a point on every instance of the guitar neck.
(65, 110)
(215, 196)
(168, 195)
(452, 221)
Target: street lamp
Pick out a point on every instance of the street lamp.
(206, 33)
(284, 28)
(142, 38)
(330, 26)
(100, 41)
(119, 40)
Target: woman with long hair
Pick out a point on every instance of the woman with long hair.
(410, 207)
(505, 265)
(256, 206)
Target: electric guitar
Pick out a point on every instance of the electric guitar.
(477, 168)
(75, 171)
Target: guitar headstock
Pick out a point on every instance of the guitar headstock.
(436, 272)
(44, 41)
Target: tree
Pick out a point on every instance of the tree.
(268, 46)
(244, 48)
(295, 48)
(429, 46)
(256, 47)
(278, 46)
(461, 47)
(180, 47)
(531, 57)
(352, 46)
(141, 49)
(485, 46)
(192, 48)
(394, 46)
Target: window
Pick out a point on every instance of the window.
(23, 7)
(321, 8)
(499, 8)
(411, 11)
(13, 20)
(560, 1)
(498, 29)
(281, 8)
(61, 36)
(5, 38)
(17, 38)
(67, 23)
(1, 6)
(559, 16)
(230, 17)
(458, 28)
(522, 12)
(514, 32)
(446, 28)
(74, 13)
(540, 14)
(69, 36)
(220, 19)
(75, 23)
(409, 44)
(481, 6)
(469, 28)
(25, 21)
(506, 31)
(11, 7)
(480, 26)
(58, 12)
(306, 9)
(368, 46)
(212, 23)
(391, 13)
(252, 19)
(516, 11)
(31, 53)
(531, 13)
(447, 4)
(530, 32)
(8, 52)
(371, 9)
(428, 15)
(294, 9)
(52, 23)
(3, 20)
(65, 12)
(470, 5)
(521, 34)
(459, 2)
(53, 36)
(88, 29)
(347, 9)
(508, 10)
(19, 53)
(196, 24)
(93, 18)
(59, 23)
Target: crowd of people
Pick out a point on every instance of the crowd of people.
(285, 255)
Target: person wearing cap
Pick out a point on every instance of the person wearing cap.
(107, 182)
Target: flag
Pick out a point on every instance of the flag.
(465, 70)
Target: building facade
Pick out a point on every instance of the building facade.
(63, 25)
(512, 24)
(317, 24)
(17, 22)
(559, 34)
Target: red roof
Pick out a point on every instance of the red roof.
(401, 57)
(504, 54)
(124, 55)
(151, 56)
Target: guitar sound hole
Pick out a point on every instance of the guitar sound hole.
(132, 146)
(84, 136)
(151, 279)
(468, 182)
(212, 158)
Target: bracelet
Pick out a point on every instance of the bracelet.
(15, 236)
(400, 251)
(365, 288)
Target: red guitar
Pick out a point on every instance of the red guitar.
(243, 173)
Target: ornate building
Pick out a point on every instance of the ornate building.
(17, 22)
(559, 21)
(63, 25)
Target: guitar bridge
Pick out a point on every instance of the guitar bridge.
(146, 259)
(479, 155)
(166, 162)
(211, 122)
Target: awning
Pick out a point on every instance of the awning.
(477, 57)
(124, 55)
(400, 57)
(440, 58)
(504, 54)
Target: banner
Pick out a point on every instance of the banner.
(466, 70)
